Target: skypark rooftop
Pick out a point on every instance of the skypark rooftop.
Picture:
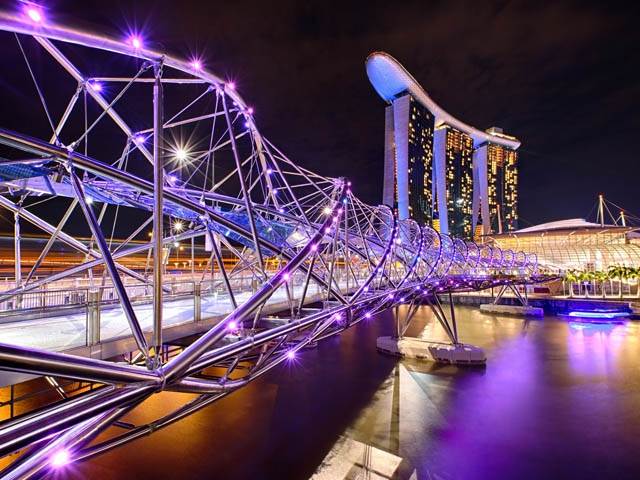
(390, 79)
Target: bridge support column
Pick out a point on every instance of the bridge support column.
(158, 215)
(18, 256)
(197, 302)
(524, 309)
(455, 353)
(93, 316)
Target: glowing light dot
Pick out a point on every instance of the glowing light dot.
(231, 85)
(269, 171)
(291, 354)
(250, 111)
(181, 154)
(314, 247)
(326, 210)
(60, 458)
(136, 41)
(286, 277)
(34, 14)
(139, 139)
(367, 315)
(233, 325)
(96, 86)
(89, 200)
(196, 64)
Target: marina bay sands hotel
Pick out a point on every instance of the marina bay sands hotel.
(439, 170)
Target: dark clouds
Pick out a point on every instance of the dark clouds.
(562, 76)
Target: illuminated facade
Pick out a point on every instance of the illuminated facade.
(439, 170)
(454, 180)
(409, 132)
(576, 244)
(502, 177)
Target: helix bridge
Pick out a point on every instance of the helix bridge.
(113, 143)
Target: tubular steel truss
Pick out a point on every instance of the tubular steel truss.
(156, 142)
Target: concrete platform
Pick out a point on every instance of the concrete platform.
(410, 347)
(519, 310)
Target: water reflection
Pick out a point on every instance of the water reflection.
(557, 399)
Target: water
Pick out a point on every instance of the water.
(557, 400)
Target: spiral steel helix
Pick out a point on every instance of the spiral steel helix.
(124, 137)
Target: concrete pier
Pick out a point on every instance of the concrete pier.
(411, 347)
(520, 310)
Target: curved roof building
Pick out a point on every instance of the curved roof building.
(391, 80)
(440, 170)
(576, 244)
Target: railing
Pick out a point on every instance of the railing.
(88, 316)
(602, 289)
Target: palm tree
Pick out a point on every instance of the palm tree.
(572, 277)
(600, 277)
(621, 273)
(633, 274)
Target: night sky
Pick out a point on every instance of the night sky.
(562, 77)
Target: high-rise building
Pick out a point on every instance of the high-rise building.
(439, 170)
(454, 180)
(409, 131)
(502, 173)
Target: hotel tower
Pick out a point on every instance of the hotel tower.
(438, 170)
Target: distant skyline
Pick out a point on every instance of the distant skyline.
(561, 77)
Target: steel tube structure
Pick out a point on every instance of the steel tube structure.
(303, 237)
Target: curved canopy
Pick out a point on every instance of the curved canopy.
(390, 79)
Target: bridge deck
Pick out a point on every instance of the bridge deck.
(68, 332)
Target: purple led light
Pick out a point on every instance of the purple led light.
(135, 41)
(314, 247)
(367, 315)
(232, 325)
(250, 111)
(291, 354)
(269, 171)
(96, 86)
(34, 13)
(196, 64)
(172, 180)
(139, 139)
(60, 458)
(286, 277)
(231, 85)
